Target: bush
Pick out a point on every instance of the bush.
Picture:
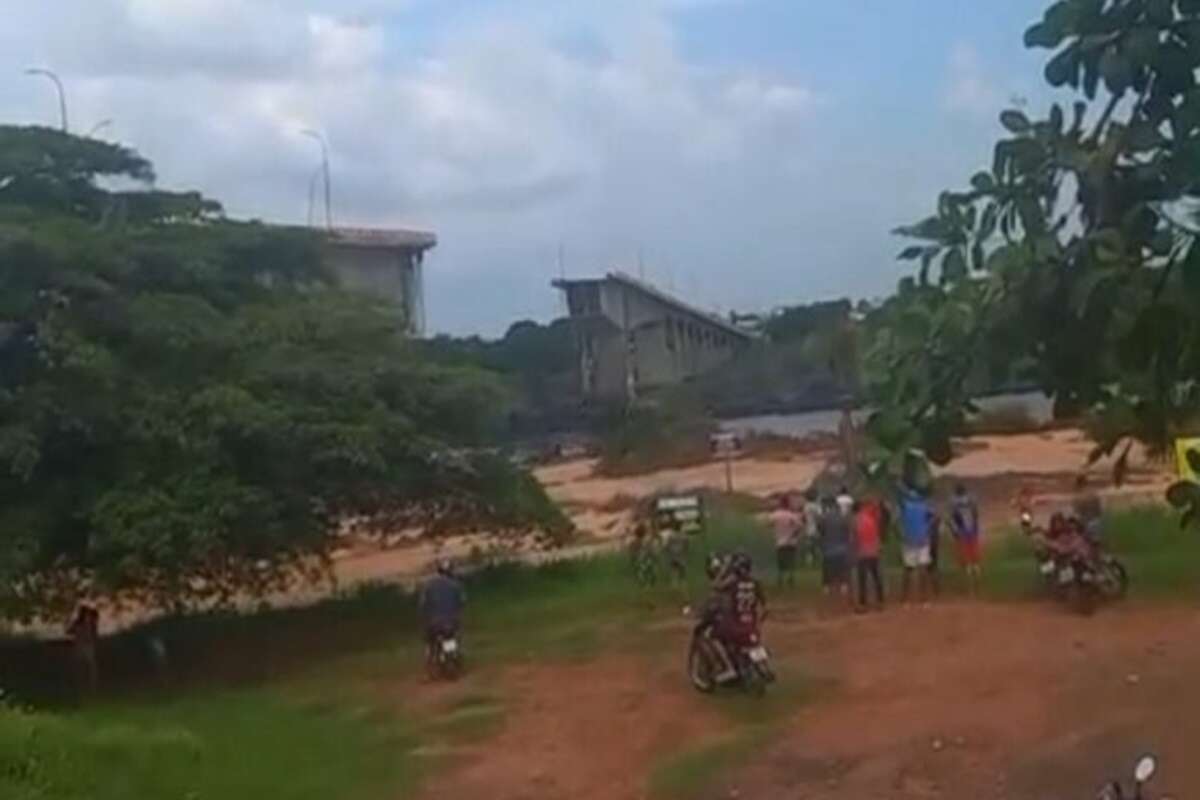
(655, 436)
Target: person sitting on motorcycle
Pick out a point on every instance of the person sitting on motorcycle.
(1066, 539)
(715, 613)
(749, 600)
(441, 602)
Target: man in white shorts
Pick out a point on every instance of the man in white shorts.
(916, 517)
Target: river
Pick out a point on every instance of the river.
(1039, 407)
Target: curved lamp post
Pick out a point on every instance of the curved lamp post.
(62, 95)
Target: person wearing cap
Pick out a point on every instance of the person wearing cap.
(441, 601)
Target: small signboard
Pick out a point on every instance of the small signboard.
(725, 443)
(1182, 463)
(686, 510)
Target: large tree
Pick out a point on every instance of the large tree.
(190, 407)
(1076, 250)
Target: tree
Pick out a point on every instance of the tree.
(1075, 249)
(190, 407)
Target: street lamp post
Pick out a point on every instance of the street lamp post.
(62, 95)
(324, 172)
(99, 126)
(312, 194)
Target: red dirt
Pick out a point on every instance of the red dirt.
(1019, 701)
(583, 732)
(980, 701)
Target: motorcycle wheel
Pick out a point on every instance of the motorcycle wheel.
(700, 669)
(1117, 579)
(450, 667)
(753, 681)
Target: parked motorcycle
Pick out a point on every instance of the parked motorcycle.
(446, 661)
(751, 662)
(1142, 773)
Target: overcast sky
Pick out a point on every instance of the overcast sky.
(753, 152)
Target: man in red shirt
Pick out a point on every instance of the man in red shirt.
(868, 524)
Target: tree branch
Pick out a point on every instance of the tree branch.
(1105, 117)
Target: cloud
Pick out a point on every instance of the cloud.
(970, 89)
(507, 131)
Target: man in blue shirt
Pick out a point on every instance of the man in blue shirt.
(916, 519)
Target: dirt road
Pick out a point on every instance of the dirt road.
(981, 701)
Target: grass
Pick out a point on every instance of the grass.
(225, 745)
(289, 703)
(310, 703)
(698, 770)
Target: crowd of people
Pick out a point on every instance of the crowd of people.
(845, 535)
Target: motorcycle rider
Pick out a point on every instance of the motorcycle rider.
(749, 600)
(441, 602)
(717, 608)
(734, 610)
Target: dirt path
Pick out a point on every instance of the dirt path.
(981, 701)
(581, 732)
(989, 701)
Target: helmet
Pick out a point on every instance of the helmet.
(742, 564)
(445, 567)
(1026, 519)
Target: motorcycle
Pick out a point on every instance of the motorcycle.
(1142, 773)
(751, 663)
(446, 659)
(1085, 582)
(1044, 557)
(1079, 574)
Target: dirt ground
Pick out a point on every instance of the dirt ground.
(995, 467)
(965, 700)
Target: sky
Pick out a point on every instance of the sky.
(744, 154)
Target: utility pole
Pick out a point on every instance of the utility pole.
(324, 171)
(62, 95)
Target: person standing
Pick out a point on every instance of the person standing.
(916, 521)
(812, 515)
(867, 535)
(786, 525)
(935, 550)
(834, 533)
(845, 501)
(84, 633)
(964, 524)
(1087, 507)
(674, 547)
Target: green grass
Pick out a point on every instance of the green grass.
(697, 771)
(295, 704)
(229, 745)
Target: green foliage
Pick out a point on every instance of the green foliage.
(1093, 286)
(229, 745)
(807, 358)
(538, 363)
(671, 432)
(190, 407)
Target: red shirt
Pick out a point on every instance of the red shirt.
(866, 531)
